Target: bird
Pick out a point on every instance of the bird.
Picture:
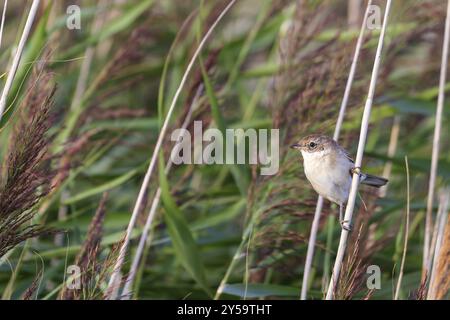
(329, 168)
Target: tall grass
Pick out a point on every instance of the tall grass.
(17, 55)
(337, 131)
(213, 230)
(5, 5)
(436, 142)
(405, 246)
(359, 155)
(157, 148)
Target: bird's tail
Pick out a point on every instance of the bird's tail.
(373, 181)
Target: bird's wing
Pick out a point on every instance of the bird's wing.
(349, 158)
(347, 155)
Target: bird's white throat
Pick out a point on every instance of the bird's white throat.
(312, 158)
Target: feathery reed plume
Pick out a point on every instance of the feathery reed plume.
(18, 55)
(435, 151)
(142, 191)
(362, 141)
(337, 130)
(116, 113)
(308, 69)
(354, 270)
(405, 246)
(131, 52)
(421, 293)
(86, 259)
(88, 253)
(31, 290)
(67, 162)
(27, 176)
(311, 80)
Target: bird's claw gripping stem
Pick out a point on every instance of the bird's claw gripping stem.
(356, 170)
(346, 225)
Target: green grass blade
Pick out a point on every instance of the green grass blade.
(259, 290)
(102, 188)
(239, 173)
(182, 239)
(115, 26)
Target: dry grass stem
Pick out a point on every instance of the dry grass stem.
(5, 5)
(361, 144)
(143, 241)
(157, 148)
(435, 151)
(438, 251)
(337, 130)
(441, 284)
(392, 148)
(405, 246)
(18, 55)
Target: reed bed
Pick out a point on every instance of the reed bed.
(86, 177)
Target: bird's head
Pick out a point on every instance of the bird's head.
(313, 144)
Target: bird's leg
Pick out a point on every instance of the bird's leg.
(344, 223)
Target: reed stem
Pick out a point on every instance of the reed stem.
(5, 5)
(18, 55)
(142, 191)
(359, 155)
(143, 241)
(435, 152)
(337, 130)
(435, 252)
(405, 246)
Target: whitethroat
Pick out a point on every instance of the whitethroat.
(329, 169)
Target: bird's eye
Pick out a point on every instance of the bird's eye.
(312, 145)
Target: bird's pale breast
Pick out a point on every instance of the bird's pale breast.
(328, 174)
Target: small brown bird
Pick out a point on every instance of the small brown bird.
(329, 169)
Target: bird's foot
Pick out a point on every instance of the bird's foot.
(356, 170)
(346, 225)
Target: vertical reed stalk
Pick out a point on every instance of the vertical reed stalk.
(353, 8)
(361, 144)
(405, 246)
(435, 153)
(234, 260)
(18, 55)
(327, 258)
(441, 221)
(143, 241)
(80, 88)
(392, 148)
(337, 130)
(142, 191)
(5, 5)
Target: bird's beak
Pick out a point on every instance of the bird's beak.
(296, 146)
